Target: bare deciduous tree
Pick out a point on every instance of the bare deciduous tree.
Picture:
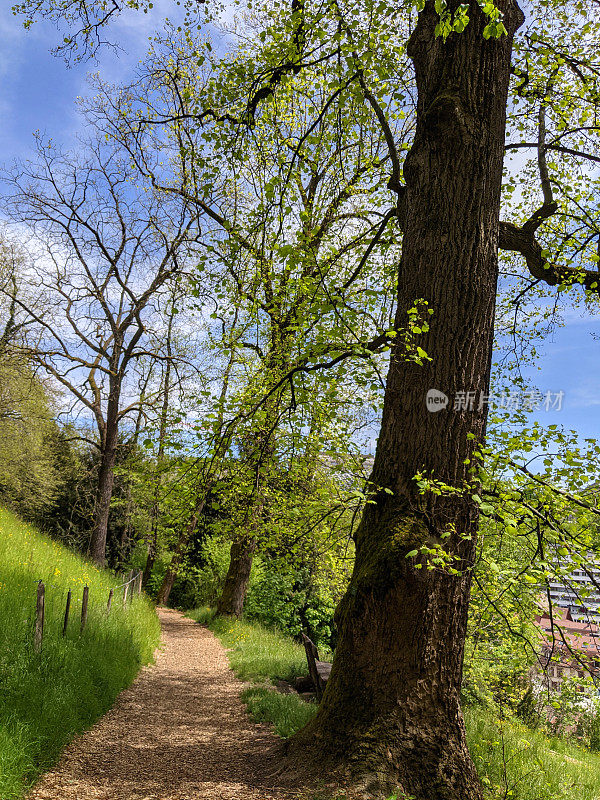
(103, 249)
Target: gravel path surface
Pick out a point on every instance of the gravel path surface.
(180, 732)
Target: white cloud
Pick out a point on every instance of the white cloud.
(585, 395)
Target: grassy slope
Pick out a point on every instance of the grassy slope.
(46, 698)
(514, 762)
(517, 763)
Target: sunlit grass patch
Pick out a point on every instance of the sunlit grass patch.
(286, 712)
(257, 654)
(518, 763)
(47, 697)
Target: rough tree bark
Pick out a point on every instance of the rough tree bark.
(391, 715)
(106, 479)
(233, 596)
(109, 434)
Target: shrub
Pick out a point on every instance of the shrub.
(200, 585)
(285, 599)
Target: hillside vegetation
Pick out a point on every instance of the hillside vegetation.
(47, 697)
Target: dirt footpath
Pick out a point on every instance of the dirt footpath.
(180, 732)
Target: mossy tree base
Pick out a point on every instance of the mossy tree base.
(391, 717)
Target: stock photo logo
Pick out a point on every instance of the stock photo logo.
(530, 400)
(436, 400)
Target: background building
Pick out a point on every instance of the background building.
(579, 593)
(570, 649)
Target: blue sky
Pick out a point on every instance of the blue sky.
(569, 362)
(38, 92)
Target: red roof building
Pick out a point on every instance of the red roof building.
(569, 649)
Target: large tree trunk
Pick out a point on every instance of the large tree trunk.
(104, 493)
(186, 534)
(231, 602)
(391, 713)
(104, 490)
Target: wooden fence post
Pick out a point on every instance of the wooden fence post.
(39, 618)
(109, 604)
(84, 608)
(126, 587)
(139, 583)
(67, 609)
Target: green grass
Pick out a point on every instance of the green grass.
(286, 712)
(517, 763)
(514, 762)
(47, 697)
(257, 654)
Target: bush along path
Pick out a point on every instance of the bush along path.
(180, 732)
